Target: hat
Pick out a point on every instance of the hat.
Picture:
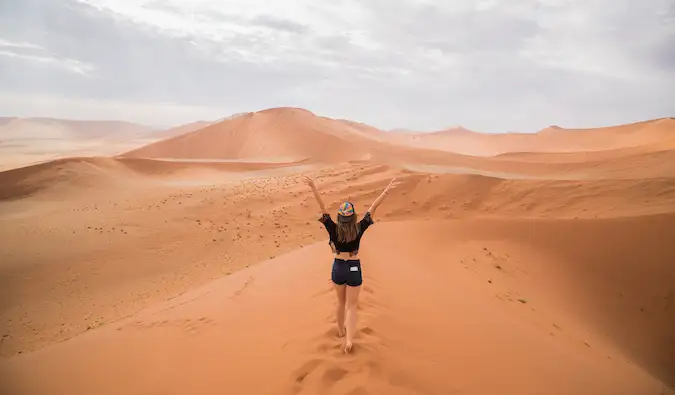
(346, 209)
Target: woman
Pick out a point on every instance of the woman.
(345, 238)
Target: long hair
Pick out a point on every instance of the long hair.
(347, 228)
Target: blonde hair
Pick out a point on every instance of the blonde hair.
(347, 228)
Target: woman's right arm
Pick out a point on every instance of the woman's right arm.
(311, 184)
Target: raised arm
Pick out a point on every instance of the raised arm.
(311, 184)
(378, 201)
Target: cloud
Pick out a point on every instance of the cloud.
(24, 51)
(273, 22)
(418, 64)
(22, 45)
(71, 65)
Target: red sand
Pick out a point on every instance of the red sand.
(525, 273)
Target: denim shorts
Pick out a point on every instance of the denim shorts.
(347, 272)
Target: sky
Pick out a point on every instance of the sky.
(414, 64)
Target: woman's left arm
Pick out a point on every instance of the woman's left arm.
(378, 201)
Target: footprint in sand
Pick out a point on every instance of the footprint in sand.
(189, 325)
(246, 284)
(333, 375)
(334, 348)
(319, 372)
(367, 331)
(320, 375)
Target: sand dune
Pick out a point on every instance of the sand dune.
(551, 139)
(278, 132)
(196, 264)
(298, 134)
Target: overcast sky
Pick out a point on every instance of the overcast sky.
(423, 65)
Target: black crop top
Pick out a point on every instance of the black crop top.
(351, 247)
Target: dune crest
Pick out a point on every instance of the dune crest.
(182, 129)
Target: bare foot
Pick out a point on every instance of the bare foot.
(341, 332)
(348, 347)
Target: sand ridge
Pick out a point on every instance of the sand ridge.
(165, 271)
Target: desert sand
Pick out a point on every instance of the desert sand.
(534, 264)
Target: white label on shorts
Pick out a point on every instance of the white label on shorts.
(354, 269)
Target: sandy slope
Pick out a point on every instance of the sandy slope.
(441, 320)
(72, 174)
(523, 273)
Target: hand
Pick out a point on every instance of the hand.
(309, 182)
(392, 184)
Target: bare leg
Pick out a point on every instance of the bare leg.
(341, 295)
(352, 303)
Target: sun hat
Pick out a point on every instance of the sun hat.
(346, 209)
